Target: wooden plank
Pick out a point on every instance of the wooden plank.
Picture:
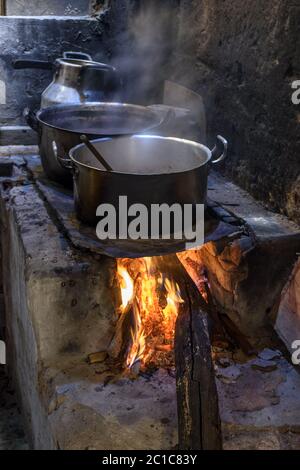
(203, 374)
(188, 395)
(197, 398)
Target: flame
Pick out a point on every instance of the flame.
(138, 346)
(171, 311)
(126, 286)
(154, 302)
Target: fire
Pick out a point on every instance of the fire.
(126, 286)
(153, 302)
(170, 312)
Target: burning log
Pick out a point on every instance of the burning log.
(197, 398)
(122, 338)
(224, 333)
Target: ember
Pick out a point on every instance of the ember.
(152, 301)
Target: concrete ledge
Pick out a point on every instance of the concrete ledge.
(17, 135)
(59, 308)
(13, 150)
(50, 17)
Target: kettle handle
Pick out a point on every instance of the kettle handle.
(76, 55)
(32, 64)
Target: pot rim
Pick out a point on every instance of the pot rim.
(157, 119)
(141, 136)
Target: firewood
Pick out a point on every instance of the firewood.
(197, 398)
(163, 347)
(97, 357)
(122, 338)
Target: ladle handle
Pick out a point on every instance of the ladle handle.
(95, 152)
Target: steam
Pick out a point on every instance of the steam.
(146, 48)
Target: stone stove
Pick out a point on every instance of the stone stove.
(60, 295)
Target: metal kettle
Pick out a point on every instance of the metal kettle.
(77, 79)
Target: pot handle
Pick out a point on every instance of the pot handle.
(31, 119)
(76, 55)
(219, 152)
(66, 163)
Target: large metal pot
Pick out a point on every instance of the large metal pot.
(147, 169)
(65, 124)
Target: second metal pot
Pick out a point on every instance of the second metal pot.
(63, 125)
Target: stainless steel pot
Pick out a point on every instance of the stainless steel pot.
(64, 125)
(147, 169)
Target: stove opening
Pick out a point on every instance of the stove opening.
(147, 315)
